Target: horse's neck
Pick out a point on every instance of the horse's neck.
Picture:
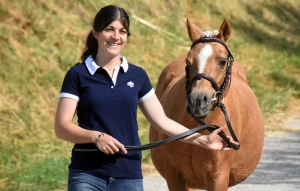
(238, 72)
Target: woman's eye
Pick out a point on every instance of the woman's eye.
(109, 29)
(123, 32)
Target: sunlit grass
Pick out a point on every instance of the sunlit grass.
(41, 39)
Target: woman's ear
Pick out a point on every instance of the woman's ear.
(95, 33)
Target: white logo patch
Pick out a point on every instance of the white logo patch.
(130, 84)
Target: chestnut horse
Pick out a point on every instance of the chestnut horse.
(192, 82)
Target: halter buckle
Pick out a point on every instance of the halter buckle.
(216, 99)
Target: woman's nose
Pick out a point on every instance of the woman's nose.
(116, 35)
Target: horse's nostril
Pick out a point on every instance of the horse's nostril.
(204, 98)
(201, 101)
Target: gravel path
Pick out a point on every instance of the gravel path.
(278, 169)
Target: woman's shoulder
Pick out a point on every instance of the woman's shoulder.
(78, 67)
(76, 70)
(135, 67)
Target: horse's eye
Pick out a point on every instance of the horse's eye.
(188, 63)
(222, 63)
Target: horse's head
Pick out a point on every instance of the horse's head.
(208, 69)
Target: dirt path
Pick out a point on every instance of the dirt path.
(279, 167)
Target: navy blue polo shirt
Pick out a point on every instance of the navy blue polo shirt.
(108, 105)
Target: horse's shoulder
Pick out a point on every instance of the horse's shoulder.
(173, 71)
(176, 67)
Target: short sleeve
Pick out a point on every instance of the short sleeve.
(146, 88)
(70, 85)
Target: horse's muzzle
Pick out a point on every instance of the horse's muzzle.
(199, 104)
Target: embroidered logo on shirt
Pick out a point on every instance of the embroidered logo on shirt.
(130, 84)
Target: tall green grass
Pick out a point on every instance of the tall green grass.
(41, 39)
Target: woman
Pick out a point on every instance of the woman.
(105, 91)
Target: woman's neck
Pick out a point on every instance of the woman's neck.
(108, 63)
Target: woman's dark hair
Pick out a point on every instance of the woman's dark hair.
(103, 18)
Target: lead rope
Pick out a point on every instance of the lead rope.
(172, 138)
(223, 108)
(202, 126)
(221, 134)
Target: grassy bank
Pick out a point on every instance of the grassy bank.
(41, 39)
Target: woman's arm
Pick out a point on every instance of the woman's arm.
(65, 129)
(153, 111)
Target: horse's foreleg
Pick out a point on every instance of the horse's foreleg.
(174, 180)
(219, 183)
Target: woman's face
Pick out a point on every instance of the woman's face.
(112, 39)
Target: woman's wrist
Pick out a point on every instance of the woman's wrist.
(99, 135)
(197, 139)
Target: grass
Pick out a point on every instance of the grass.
(41, 39)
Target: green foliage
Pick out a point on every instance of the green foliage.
(41, 39)
(45, 174)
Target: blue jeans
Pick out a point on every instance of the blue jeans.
(79, 180)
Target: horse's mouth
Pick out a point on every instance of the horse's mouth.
(202, 117)
(201, 113)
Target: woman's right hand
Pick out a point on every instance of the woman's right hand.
(109, 145)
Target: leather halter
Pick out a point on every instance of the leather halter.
(219, 90)
(223, 86)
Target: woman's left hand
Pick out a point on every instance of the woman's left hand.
(215, 142)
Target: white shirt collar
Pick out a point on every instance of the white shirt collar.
(92, 66)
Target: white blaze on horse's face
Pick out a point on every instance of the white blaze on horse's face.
(204, 54)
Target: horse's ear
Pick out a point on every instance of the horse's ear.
(225, 31)
(194, 33)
